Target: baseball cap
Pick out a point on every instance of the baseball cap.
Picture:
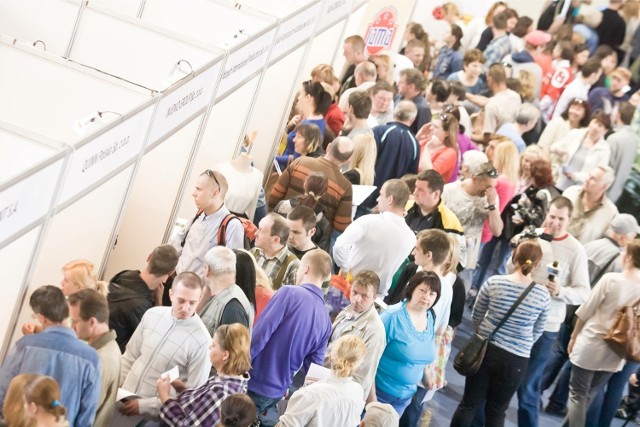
(380, 415)
(624, 224)
(484, 169)
(537, 37)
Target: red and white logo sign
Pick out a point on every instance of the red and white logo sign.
(382, 30)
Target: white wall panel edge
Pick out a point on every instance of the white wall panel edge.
(291, 26)
(75, 29)
(342, 6)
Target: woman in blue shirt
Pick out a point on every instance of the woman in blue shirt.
(409, 327)
(450, 56)
(312, 103)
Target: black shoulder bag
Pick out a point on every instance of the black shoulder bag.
(469, 359)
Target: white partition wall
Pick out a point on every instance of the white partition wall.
(53, 99)
(248, 35)
(274, 99)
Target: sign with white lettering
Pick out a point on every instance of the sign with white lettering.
(245, 61)
(104, 154)
(295, 31)
(28, 200)
(334, 11)
(183, 103)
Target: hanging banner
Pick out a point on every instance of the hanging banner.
(27, 201)
(183, 103)
(334, 11)
(99, 157)
(245, 62)
(294, 31)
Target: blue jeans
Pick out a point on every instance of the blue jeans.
(559, 366)
(531, 389)
(398, 404)
(263, 404)
(606, 403)
(492, 261)
(413, 412)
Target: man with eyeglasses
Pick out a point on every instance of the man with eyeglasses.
(203, 233)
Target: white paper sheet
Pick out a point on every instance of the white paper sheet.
(316, 373)
(172, 373)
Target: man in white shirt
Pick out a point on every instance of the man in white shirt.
(378, 242)
(579, 87)
(365, 77)
(166, 337)
(192, 244)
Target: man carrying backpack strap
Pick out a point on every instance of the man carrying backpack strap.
(193, 243)
(271, 251)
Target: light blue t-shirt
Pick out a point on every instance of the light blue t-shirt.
(509, 130)
(407, 352)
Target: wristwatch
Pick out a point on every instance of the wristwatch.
(491, 207)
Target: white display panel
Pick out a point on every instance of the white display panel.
(222, 133)
(134, 51)
(17, 255)
(28, 200)
(272, 105)
(125, 7)
(17, 154)
(323, 47)
(334, 11)
(206, 20)
(148, 209)
(82, 230)
(48, 97)
(51, 21)
(294, 31)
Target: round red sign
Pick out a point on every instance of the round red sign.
(382, 30)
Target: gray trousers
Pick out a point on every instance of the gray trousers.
(583, 387)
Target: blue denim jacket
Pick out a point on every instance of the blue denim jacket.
(57, 352)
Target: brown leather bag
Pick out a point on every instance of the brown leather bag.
(624, 334)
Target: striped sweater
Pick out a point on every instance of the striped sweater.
(524, 326)
(336, 201)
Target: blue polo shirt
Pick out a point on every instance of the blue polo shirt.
(292, 332)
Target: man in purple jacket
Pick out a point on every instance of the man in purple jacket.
(292, 333)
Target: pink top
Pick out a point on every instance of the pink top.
(263, 296)
(506, 190)
(444, 162)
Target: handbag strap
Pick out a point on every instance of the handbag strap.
(511, 310)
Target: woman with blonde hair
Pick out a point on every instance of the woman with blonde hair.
(79, 274)
(230, 356)
(42, 402)
(502, 152)
(384, 68)
(363, 160)
(333, 401)
(13, 407)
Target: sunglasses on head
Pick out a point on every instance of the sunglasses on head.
(210, 174)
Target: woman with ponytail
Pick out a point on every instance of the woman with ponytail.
(42, 402)
(333, 401)
(78, 275)
(238, 411)
(13, 407)
(505, 362)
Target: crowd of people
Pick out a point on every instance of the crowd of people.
(497, 155)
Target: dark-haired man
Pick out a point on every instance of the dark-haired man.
(411, 85)
(132, 292)
(89, 314)
(271, 251)
(58, 353)
(302, 227)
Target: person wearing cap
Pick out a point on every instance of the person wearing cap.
(532, 59)
(609, 99)
(380, 415)
(624, 146)
(592, 210)
(475, 200)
